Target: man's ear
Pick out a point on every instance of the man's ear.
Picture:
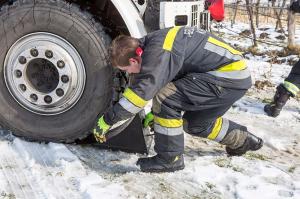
(133, 60)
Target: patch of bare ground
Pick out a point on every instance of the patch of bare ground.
(263, 84)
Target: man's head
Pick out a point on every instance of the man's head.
(125, 54)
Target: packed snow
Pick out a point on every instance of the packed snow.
(38, 170)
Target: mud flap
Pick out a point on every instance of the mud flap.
(134, 138)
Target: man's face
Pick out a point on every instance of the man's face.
(134, 66)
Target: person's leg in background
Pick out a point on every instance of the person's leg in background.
(289, 88)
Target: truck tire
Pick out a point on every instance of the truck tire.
(54, 74)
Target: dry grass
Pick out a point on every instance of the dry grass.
(293, 49)
(276, 56)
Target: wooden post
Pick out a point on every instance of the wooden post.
(291, 28)
(235, 12)
(257, 13)
(251, 22)
(278, 22)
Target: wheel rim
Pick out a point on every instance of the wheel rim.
(44, 73)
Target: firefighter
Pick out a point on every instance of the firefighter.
(193, 78)
(289, 88)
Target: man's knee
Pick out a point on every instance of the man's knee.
(212, 129)
(202, 129)
(161, 97)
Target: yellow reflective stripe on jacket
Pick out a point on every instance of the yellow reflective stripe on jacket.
(170, 38)
(169, 123)
(215, 131)
(134, 98)
(238, 65)
(128, 106)
(291, 87)
(224, 45)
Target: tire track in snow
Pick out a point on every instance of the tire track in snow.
(28, 168)
(7, 173)
(109, 165)
(13, 169)
(42, 156)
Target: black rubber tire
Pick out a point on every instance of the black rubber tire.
(87, 36)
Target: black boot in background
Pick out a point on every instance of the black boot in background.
(160, 164)
(281, 97)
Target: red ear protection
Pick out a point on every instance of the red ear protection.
(139, 51)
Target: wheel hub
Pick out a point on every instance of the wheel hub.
(44, 73)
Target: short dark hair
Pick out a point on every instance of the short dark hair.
(122, 49)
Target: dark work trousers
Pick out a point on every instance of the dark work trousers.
(199, 105)
(294, 75)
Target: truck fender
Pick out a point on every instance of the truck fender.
(131, 17)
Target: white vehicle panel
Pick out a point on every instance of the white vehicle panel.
(131, 17)
(169, 10)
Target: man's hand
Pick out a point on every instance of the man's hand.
(149, 120)
(100, 129)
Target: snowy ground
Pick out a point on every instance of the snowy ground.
(33, 170)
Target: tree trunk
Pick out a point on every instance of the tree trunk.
(278, 23)
(235, 11)
(291, 28)
(251, 22)
(257, 13)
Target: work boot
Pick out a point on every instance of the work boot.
(160, 164)
(281, 97)
(252, 143)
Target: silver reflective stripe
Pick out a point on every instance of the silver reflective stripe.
(223, 131)
(168, 131)
(291, 87)
(222, 51)
(238, 74)
(118, 124)
(127, 105)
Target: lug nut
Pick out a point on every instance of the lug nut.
(34, 97)
(49, 54)
(60, 92)
(48, 99)
(22, 60)
(64, 79)
(22, 87)
(18, 73)
(60, 64)
(34, 52)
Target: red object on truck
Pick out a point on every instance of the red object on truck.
(216, 9)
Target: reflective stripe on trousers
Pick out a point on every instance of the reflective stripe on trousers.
(168, 127)
(219, 130)
(291, 87)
